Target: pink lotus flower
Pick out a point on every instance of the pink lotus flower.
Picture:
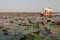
(6, 23)
(1, 16)
(58, 20)
(52, 31)
(14, 29)
(1, 22)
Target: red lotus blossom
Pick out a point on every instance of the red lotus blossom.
(52, 31)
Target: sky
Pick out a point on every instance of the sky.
(28, 5)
